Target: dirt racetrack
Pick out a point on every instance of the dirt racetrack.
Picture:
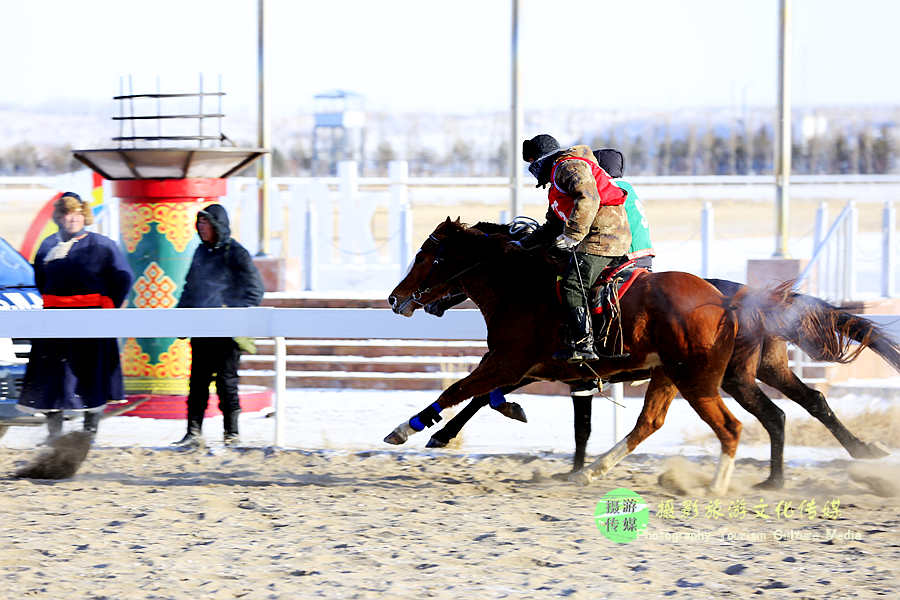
(154, 523)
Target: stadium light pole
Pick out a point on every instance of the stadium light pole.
(264, 131)
(516, 118)
(783, 137)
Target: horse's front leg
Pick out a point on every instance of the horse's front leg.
(496, 399)
(455, 425)
(491, 373)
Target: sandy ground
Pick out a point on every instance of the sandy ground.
(258, 523)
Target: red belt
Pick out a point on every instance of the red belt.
(77, 301)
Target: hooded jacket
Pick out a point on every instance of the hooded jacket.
(600, 225)
(221, 274)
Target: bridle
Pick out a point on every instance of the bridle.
(420, 291)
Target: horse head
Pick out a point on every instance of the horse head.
(433, 271)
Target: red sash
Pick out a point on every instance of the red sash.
(77, 301)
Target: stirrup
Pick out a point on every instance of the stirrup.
(574, 355)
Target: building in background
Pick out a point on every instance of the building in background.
(339, 130)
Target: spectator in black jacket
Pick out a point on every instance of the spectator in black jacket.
(221, 274)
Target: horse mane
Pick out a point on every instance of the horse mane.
(513, 263)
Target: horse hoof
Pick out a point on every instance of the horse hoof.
(772, 483)
(395, 437)
(581, 477)
(512, 410)
(436, 443)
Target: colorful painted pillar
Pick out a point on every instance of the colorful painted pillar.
(158, 219)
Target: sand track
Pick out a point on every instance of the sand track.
(156, 523)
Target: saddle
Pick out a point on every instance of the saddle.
(605, 294)
(612, 284)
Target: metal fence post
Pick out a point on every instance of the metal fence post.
(348, 184)
(618, 396)
(707, 233)
(310, 246)
(398, 174)
(888, 249)
(280, 389)
(818, 235)
(850, 253)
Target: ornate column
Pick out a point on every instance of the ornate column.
(159, 236)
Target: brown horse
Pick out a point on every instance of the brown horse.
(674, 324)
(757, 353)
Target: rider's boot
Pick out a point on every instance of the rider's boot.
(579, 340)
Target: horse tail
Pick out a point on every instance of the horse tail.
(822, 330)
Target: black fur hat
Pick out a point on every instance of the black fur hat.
(612, 161)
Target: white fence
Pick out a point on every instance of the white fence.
(278, 323)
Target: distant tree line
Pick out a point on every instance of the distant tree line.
(24, 159)
(870, 151)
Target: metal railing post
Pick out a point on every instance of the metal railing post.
(310, 246)
(618, 396)
(818, 234)
(707, 233)
(850, 253)
(348, 184)
(280, 389)
(888, 249)
(398, 174)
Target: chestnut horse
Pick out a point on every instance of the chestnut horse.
(674, 324)
(758, 355)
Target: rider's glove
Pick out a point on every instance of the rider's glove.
(564, 242)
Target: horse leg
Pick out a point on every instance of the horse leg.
(495, 399)
(455, 425)
(660, 392)
(705, 400)
(495, 370)
(581, 403)
(774, 371)
(754, 401)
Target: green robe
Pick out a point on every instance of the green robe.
(637, 219)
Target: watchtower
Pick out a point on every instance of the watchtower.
(339, 132)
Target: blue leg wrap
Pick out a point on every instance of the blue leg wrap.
(431, 416)
(496, 398)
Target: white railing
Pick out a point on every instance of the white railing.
(277, 323)
(831, 271)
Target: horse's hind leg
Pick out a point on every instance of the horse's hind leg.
(754, 401)
(774, 371)
(581, 404)
(660, 392)
(727, 428)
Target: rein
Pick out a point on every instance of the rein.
(416, 295)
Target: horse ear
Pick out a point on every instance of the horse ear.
(457, 220)
(448, 220)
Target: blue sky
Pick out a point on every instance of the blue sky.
(454, 56)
